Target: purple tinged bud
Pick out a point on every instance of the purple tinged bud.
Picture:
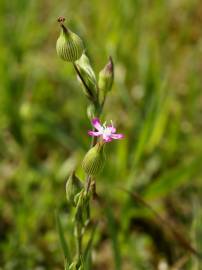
(110, 67)
(106, 78)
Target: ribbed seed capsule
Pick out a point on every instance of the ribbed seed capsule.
(93, 161)
(69, 46)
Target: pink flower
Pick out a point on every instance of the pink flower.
(106, 132)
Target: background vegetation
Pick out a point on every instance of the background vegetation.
(156, 102)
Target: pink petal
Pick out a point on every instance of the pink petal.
(117, 136)
(112, 129)
(96, 123)
(94, 133)
(107, 138)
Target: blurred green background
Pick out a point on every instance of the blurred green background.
(156, 102)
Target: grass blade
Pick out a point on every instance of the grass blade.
(173, 179)
(63, 241)
(113, 235)
(87, 256)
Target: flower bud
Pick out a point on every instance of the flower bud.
(73, 187)
(93, 161)
(82, 214)
(88, 75)
(79, 208)
(69, 46)
(91, 111)
(106, 78)
(77, 265)
(73, 266)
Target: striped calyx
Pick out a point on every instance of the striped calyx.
(94, 159)
(69, 46)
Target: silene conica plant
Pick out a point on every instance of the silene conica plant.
(70, 48)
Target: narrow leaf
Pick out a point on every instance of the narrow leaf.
(113, 234)
(63, 241)
(88, 248)
(172, 179)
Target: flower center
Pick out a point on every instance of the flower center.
(107, 131)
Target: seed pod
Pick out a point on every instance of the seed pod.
(93, 161)
(106, 78)
(69, 46)
(73, 187)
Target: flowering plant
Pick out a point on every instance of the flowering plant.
(70, 48)
(108, 133)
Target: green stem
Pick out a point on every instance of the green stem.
(78, 236)
(99, 108)
(94, 141)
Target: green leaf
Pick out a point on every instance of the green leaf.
(114, 238)
(63, 241)
(197, 235)
(159, 124)
(172, 179)
(88, 248)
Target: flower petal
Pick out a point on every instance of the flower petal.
(94, 133)
(117, 136)
(107, 139)
(96, 123)
(112, 129)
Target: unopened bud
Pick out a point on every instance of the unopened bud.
(88, 75)
(106, 78)
(69, 46)
(73, 266)
(82, 210)
(93, 161)
(73, 187)
(91, 111)
(77, 265)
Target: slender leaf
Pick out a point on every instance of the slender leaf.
(88, 248)
(63, 241)
(114, 238)
(172, 179)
